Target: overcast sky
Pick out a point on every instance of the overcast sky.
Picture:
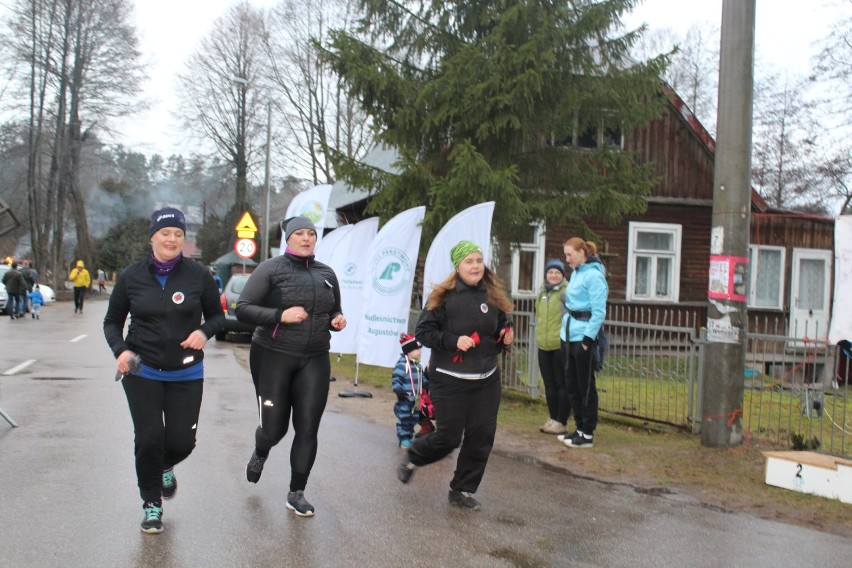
(170, 30)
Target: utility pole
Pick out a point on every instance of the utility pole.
(727, 316)
(264, 246)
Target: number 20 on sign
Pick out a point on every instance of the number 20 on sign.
(245, 248)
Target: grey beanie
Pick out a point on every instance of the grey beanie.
(293, 224)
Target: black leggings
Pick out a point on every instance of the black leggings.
(79, 296)
(165, 420)
(285, 384)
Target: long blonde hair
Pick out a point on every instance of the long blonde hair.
(494, 291)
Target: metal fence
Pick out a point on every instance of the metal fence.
(797, 392)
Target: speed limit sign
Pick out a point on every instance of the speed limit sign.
(245, 248)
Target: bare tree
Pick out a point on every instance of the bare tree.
(785, 154)
(314, 107)
(220, 91)
(694, 69)
(837, 171)
(83, 70)
(834, 65)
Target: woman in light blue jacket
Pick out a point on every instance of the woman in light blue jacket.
(585, 300)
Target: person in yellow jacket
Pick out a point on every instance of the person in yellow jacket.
(81, 280)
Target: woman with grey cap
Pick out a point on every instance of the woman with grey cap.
(294, 301)
(160, 360)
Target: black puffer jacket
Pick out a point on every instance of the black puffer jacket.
(284, 282)
(162, 317)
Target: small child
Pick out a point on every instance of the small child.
(37, 301)
(410, 384)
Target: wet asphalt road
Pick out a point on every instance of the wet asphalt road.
(68, 493)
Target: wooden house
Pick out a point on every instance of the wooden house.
(661, 259)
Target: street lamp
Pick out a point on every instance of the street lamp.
(264, 235)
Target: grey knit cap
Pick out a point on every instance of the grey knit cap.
(293, 224)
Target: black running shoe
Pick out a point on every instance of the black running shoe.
(297, 503)
(463, 499)
(255, 467)
(580, 441)
(404, 471)
(169, 483)
(152, 523)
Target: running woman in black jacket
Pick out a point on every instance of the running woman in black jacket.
(160, 359)
(294, 301)
(466, 325)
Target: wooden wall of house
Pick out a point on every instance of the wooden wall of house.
(695, 247)
(792, 231)
(683, 161)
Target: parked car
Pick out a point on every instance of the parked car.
(46, 291)
(229, 297)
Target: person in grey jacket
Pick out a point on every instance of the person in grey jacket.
(160, 359)
(465, 323)
(294, 301)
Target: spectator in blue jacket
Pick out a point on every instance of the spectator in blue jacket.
(585, 301)
(37, 301)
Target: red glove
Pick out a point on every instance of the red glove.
(459, 356)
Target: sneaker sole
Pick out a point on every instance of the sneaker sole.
(570, 445)
(170, 495)
(463, 506)
(298, 512)
(152, 530)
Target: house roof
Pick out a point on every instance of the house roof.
(381, 157)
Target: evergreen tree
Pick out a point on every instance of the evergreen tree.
(492, 99)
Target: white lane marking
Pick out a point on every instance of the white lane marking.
(78, 338)
(20, 367)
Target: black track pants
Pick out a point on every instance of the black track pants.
(552, 367)
(165, 420)
(462, 408)
(580, 381)
(290, 384)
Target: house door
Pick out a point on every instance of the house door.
(809, 293)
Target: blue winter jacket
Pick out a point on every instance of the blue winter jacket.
(587, 291)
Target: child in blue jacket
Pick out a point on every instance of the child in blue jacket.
(37, 301)
(410, 384)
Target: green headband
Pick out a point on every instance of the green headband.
(461, 250)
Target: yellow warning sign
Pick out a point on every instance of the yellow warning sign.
(246, 227)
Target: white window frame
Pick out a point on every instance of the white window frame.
(753, 270)
(674, 286)
(537, 248)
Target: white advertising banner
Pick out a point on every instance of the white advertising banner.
(841, 310)
(390, 264)
(313, 204)
(472, 224)
(329, 247)
(349, 262)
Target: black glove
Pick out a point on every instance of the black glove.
(401, 395)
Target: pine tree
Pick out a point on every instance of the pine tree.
(485, 100)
